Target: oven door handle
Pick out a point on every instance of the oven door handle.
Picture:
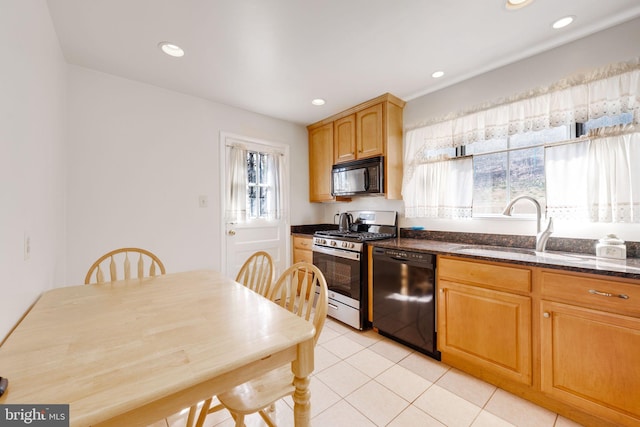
(340, 253)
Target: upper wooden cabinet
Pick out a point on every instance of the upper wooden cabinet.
(373, 128)
(320, 163)
(344, 139)
(359, 135)
(369, 132)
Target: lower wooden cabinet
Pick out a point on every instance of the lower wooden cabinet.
(591, 360)
(590, 352)
(568, 341)
(489, 329)
(302, 250)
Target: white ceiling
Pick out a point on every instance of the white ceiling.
(274, 56)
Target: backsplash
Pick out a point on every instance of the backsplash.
(560, 244)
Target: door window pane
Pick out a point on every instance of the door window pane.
(258, 190)
(252, 167)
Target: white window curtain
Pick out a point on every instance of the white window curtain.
(236, 197)
(277, 183)
(440, 189)
(566, 177)
(607, 92)
(614, 179)
(596, 180)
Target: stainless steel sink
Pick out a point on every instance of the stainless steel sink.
(495, 250)
(501, 251)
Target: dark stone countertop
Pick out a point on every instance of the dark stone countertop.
(308, 230)
(467, 247)
(562, 253)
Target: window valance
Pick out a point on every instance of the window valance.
(606, 92)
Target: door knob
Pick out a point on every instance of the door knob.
(231, 232)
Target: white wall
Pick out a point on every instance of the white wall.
(616, 44)
(32, 157)
(139, 157)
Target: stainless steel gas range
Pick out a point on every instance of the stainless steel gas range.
(341, 256)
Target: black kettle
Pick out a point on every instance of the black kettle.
(345, 221)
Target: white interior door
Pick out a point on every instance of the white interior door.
(244, 236)
(245, 239)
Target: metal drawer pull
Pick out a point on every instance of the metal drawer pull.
(335, 307)
(607, 294)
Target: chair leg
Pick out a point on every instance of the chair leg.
(267, 419)
(192, 416)
(203, 412)
(239, 419)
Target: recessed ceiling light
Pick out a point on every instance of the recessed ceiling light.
(562, 22)
(517, 4)
(437, 74)
(318, 101)
(171, 49)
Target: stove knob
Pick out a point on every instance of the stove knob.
(352, 245)
(345, 244)
(333, 243)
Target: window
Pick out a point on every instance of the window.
(507, 147)
(259, 190)
(507, 168)
(255, 183)
(603, 122)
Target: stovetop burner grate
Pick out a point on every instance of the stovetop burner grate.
(355, 235)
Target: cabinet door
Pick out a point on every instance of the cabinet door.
(344, 142)
(488, 329)
(591, 359)
(302, 251)
(320, 163)
(370, 132)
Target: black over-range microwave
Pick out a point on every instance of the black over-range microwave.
(360, 177)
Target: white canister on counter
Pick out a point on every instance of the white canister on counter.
(611, 247)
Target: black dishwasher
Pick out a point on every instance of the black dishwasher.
(404, 298)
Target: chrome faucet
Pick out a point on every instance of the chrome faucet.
(541, 236)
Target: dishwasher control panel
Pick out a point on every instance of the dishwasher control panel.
(400, 254)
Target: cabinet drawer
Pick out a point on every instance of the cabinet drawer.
(601, 294)
(300, 242)
(489, 275)
(302, 255)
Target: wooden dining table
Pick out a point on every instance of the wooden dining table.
(133, 352)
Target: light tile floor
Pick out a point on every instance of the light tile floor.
(363, 379)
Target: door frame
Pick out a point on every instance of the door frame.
(223, 185)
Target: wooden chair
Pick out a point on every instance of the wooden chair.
(258, 395)
(111, 258)
(257, 273)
